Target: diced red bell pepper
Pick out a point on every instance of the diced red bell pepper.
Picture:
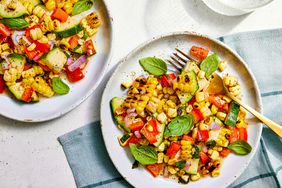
(225, 152)
(155, 169)
(26, 97)
(225, 108)
(191, 102)
(234, 135)
(150, 131)
(2, 84)
(203, 135)
(165, 81)
(60, 15)
(243, 134)
(137, 125)
(198, 116)
(172, 76)
(199, 52)
(132, 140)
(215, 100)
(42, 47)
(74, 76)
(5, 31)
(203, 157)
(173, 149)
(73, 41)
(90, 50)
(188, 138)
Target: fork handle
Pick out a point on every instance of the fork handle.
(272, 125)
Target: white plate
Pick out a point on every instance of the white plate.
(162, 47)
(57, 106)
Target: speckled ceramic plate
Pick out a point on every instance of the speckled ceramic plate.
(57, 106)
(162, 47)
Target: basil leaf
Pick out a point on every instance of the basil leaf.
(180, 164)
(240, 147)
(195, 152)
(59, 86)
(81, 6)
(144, 154)
(180, 125)
(153, 65)
(210, 64)
(15, 23)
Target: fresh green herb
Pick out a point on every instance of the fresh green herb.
(15, 23)
(135, 164)
(179, 125)
(232, 114)
(195, 152)
(144, 154)
(180, 164)
(153, 65)
(210, 144)
(240, 147)
(210, 64)
(59, 86)
(81, 6)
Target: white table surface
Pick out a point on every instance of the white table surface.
(31, 156)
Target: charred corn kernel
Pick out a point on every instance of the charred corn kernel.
(50, 4)
(195, 177)
(162, 118)
(171, 112)
(43, 40)
(222, 65)
(230, 81)
(173, 138)
(155, 99)
(194, 132)
(143, 141)
(51, 36)
(32, 72)
(64, 44)
(189, 108)
(28, 81)
(219, 148)
(201, 74)
(240, 123)
(166, 158)
(160, 157)
(227, 99)
(214, 109)
(182, 173)
(31, 47)
(32, 19)
(161, 147)
(38, 11)
(151, 107)
(236, 93)
(234, 88)
(68, 6)
(5, 46)
(73, 1)
(29, 7)
(60, 3)
(221, 115)
(42, 87)
(170, 91)
(166, 142)
(200, 96)
(171, 104)
(172, 161)
(171, 170)
(10, 75)
(203, 126)
(159, 87)
(221, 139)
(209, 120)
(91, 23)
(215, 172)
(210, 151)
(206, 112)
(7, 52)
(56, 24)
(80, 34)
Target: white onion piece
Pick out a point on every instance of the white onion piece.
(214, 126)
(77, 63)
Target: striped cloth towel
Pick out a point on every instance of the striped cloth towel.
(262, 50)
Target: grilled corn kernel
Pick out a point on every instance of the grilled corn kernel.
(189, 108)
(214, 109)
(172, 161)
(221, 115)
(203, 126)
(194, 133)
(50, 4)
(209, 120)
(215, 172)
(227, 99)
(68, 6)
(240, 123)
(38, 11)
(171, 170)
(5, 46)
(56, 24)
(159, 87)
(230, 81)
(160, 157)
(29, 7)
(171, 104)
(43, 40)
(195, 177)
(200, 96)
(166, 158)
(222, 65)
(171, 112)
(162, 118)
(31, 47)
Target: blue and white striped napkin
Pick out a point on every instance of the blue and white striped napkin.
(262, 50)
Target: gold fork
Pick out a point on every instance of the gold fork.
(217, 86)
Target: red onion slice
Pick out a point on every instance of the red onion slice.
(137, 134)
(81, 60)
(130, 110)
(187, 166)
(214, 126)
(69, 61)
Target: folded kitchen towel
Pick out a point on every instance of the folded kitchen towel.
(262, 50)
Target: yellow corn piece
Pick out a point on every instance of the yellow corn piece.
(42, 87)
(32, 72)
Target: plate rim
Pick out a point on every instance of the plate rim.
(190, 33)
(90, 92)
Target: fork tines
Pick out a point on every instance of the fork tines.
(178, 61)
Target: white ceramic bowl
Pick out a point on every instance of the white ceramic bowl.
(162, 47)
(50, 108)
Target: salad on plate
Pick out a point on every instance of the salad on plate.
(43, 43)
(174, 125)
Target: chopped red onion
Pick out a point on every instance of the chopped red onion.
(16, 35)
(127, 121)
(77, 63)
(137, 134)
(130, 110)
(187, 166)
(214, 126)
(69, 61)
(204, 149)
(37, 57)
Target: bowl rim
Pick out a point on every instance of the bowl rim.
(93, 88)
(190, 33)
